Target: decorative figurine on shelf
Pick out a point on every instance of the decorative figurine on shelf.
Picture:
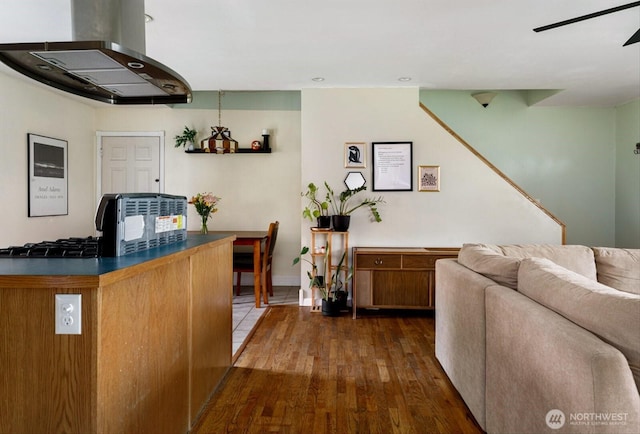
(205, 204)
(265, 139)
(256, 145)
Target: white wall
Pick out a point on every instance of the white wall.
(256, 189)
(30, 108)
(474, 204)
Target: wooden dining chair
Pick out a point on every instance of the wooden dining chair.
(243, 262)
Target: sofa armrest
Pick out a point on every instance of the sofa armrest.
(460, 331)
(538, 361)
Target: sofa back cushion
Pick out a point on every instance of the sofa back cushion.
(618, 268)
(500, 263)
(612, 315)
(579, 259)
(489, 261)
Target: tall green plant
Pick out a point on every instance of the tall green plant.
(330, 282)
(342, 204)
(313, 274)
(335, 284)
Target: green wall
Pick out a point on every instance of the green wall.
(244, 100)
(627, 175)
(563, 156)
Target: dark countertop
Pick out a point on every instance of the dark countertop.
(97, 266)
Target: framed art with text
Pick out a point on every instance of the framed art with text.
(392, 166)
(48, 176)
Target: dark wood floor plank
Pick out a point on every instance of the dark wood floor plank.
(305, 373)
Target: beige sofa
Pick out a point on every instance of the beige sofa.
(542, 338)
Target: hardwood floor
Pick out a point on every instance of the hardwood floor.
(302, 372)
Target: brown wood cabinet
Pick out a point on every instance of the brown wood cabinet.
(155, 342)
(396, 278)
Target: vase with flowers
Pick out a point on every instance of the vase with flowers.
(205, 204)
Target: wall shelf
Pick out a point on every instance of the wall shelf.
(239, 151)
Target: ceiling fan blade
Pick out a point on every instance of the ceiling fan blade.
(634, 39)
(586, 17)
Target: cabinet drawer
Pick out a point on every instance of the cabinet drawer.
(378, 261)
(419, 261)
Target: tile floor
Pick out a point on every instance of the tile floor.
(245, 313)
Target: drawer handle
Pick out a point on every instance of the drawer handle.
(378, 261)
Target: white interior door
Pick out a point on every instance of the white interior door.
(130, 163)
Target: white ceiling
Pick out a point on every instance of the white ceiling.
(441, 44)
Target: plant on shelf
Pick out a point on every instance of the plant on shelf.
(316, 208)
(187, 137)
(333, 287)
(343, 206)
(330, 283)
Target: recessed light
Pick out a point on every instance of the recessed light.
(317, 79)
(135, 65)
(404, 79)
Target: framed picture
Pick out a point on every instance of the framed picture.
(392, 166)
(355, 155)
(48, 176)
(428, 178)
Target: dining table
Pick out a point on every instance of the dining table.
(255, 239)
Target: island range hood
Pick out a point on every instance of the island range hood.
(105, 61)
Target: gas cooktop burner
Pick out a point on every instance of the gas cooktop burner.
(63, 248)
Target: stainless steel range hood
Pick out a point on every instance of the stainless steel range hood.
(100, 63)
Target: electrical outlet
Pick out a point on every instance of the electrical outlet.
(68, 315)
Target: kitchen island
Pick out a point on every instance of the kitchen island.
(155, 341)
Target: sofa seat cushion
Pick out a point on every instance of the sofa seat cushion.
(612, 315)
(618, 268)
(500, 263)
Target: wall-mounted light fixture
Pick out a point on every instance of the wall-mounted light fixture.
(484, 98)
(637, 150)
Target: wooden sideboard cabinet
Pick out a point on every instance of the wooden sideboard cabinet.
(396, 278)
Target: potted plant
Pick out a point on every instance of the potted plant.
(343, 206)
(187, 137)
(334, 297)
(330, 284)
(316, 208)
(315, 280)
